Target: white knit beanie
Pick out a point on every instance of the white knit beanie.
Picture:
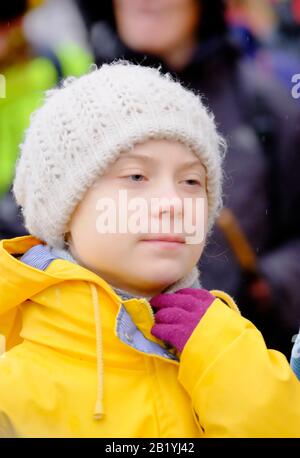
(84, 125)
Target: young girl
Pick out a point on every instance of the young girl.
(108, 331)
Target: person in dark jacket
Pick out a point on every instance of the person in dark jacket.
(261, 122)
(40, 69)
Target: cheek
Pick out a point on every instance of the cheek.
(196, 215)
(198, 250)
(84, 238)
(182, 18)
(98, 248)
(192, 256)
(83, 226)
(201, 211)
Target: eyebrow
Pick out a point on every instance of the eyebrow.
(136, 156)
(153, 160)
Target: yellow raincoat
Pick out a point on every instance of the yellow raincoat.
(70, 370)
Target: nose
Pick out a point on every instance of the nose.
(167, 200)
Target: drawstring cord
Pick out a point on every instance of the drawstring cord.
(98, 411)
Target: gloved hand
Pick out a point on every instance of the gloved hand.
(178, 314)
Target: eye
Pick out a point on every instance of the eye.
(192, 182)
(135, 177)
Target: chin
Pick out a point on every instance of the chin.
(162, 279)
(147, 45)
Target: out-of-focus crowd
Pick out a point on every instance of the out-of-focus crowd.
(244, 58)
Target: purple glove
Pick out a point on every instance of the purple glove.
(178, 314)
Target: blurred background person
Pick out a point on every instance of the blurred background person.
(288, 35)
(67, 26)
(272, 22)
(269, 33)
(254, 252)
(30, 63)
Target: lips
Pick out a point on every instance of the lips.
(165, 238)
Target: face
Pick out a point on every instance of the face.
(158, 26)
(136, 259)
